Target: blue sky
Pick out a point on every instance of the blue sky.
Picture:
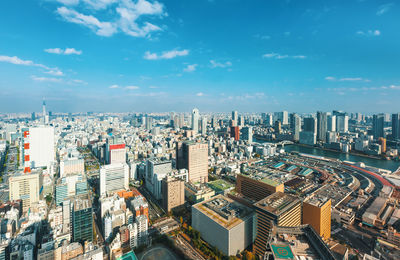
(219, 55)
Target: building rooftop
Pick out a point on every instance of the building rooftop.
(277, 203)
(223, 210)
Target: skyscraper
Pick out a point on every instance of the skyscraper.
(378, 124)
(193, 157)
(396, 126)
(342, 121)
(204, 125)
(195, 120)
(322, 125)
(235, 133)
(234, 118)
(310, 125)
(44, 111)
(38, 147)
(331, 125)
(295, 126)
(247, 134)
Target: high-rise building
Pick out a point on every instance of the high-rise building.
(396, 126)
(44, 114)
(195, 120)
(115, 150)
(38, 150)
(278, 127)
(241, 121)
(173, 190)
(81, 219)
(317, 213)
(235, 118)
(269, 120)
(114, 177)
(256, 189)
(310, 125)
(382, 142)
(331, 123)
(282, 116)
(378, 124)
(247, 134)
(193, 157)
(204, 125)
(295, 126)
(156, 170)
(278, 209)
(322, 126)
(149, 122)
(235, 133)
(26, 187)
(342, 121)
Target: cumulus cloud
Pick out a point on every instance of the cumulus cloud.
(215, 64)
(190, 68)
(127, 15)
(278, 56)
(165, 55)
(67, 51)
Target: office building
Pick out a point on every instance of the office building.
(156, 171)
(204, 125)
(71, 166)
(310, 125)
(295, 126)
(308, 138)
(382, 142)
(195, 120)
(224, 223)
(70, 185)
(26, 187)
(247, 134)
(378, 124)
(38, 147)
(278, 209)
(81, 219)
(148, 122)
(317, 213)
(193, 157)
(114, 177)
(342, 121)
(282, 116)
(322, 126)
(331, 125)
(257, 188)
(278, 127)
(235, 119)
(235, 133)
(173, 190)
(115, 150)
(396, 126)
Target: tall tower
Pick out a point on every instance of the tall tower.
(195, 120)
(44, 109)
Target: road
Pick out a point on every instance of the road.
(188, 249)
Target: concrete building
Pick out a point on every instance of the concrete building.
(81, 219)
(114, 177)
(39, 147)
(396, 126)
(317, 213)
(72, 165)
(235, 133)
(278, 209)
(309, 138)
(378, 124)
(173, 190)
(26, 187)
(115, 150)
(247, 134)
(257, 188)
(295, 126)
(193, 157)
(195, 120)
(156, 170)
(331, 125)
(224, 223)
(322, 126)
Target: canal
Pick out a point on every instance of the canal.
(384, 164)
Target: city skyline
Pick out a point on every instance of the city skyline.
(155, 56)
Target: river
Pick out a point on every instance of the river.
(383, 164)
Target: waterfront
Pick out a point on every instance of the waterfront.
(383, 164)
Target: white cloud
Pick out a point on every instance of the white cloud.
(384, 9)
(100, 28)
(200, 94)
(127, 16)
(68, 2)
(67, 51)
(131, 87)
(79, 82)
(330, 78)
(165, 55)
(215, 64)
(153, 87)
(278, 56)
(113, 86)
(45, 79)
(17, 61)
(190, 68)
(369, 33)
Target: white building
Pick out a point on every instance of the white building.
(114, 177)
(195, 120)
(156, 170)
(41, 146)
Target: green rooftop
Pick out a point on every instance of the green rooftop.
(128, 256)
(270, 182)
(220, 185)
